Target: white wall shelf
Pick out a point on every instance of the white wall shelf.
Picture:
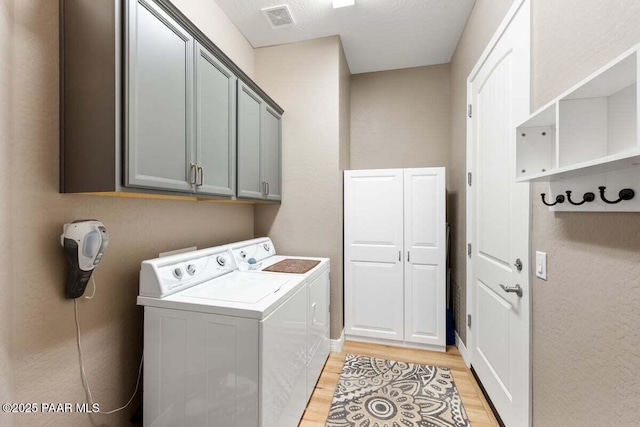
(592, 128)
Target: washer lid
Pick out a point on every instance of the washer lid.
(238, 287)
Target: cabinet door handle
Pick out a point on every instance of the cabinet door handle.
(193, 173)
(268, 189)
(399, 256)
(200, 176)
(408, 256)
(264, 188)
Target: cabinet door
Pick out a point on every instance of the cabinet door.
(271, 153)
(250, 108)
(425, 246)
(373, 246)
(160, 91)
(215, 125)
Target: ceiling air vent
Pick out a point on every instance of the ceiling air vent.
(278, 16)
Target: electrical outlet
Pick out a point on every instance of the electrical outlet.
(541, 265)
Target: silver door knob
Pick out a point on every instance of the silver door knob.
(518, 264)
(515, 289)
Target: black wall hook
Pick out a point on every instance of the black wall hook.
(587, 197)
(559, 199)
(624, 194)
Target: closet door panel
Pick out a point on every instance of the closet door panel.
(425, 246)
(376, 294)
(373, 254)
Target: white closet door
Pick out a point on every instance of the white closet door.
(425, 245)
(373, 227)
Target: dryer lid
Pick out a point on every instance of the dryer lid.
(238, 288)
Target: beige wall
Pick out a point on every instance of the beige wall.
(345, 112)
(586, 344)
(44, 343)
(304, 78)
(6, 371)
(483, 22)
(586, 338)
(400, 118)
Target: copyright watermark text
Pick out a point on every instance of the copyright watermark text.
(26, 408)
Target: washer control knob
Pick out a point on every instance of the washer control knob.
(243, 254)
(267, 247)
(191, 269)
(221, 260)
(178, 273)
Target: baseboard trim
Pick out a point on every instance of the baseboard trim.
(403, 344)
(336, 346)
(463, 350)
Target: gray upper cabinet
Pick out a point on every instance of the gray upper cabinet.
(259, 148)
(215, 126)
(271, 153)
(160, 107)
(250, 108)
(149, 105)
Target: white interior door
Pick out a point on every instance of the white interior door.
(373, 236)
(425, 246)
(498, 212)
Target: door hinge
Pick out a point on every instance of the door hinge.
(469, 178)
(469, 320)
(469, 250)
(469, 110)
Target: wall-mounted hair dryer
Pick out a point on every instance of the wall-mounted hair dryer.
(84, 243)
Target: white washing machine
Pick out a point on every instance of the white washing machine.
(222, 347)
(315, 271)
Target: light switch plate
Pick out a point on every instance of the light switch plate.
(541, 265)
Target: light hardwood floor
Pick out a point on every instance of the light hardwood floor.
(474, 402)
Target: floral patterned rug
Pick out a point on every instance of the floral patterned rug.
(375, 392)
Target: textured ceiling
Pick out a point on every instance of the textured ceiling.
(377, 34)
